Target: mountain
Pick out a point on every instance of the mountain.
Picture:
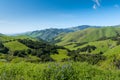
(1, 34)
(49, 34)
(87, 35)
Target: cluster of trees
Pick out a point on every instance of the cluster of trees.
(44, 57)
(88, 57)
(20, 53)
(79, 44)
(40, 49)
(43, 50)
(87, 48)
(3, 49)
(33, 44)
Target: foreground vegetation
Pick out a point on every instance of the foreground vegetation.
(55, 71)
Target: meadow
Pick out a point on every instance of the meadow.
(55, 71)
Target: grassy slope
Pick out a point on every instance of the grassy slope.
(12, 43)
(62, 54)
(15, 45)
(102, 46)
(87, 35)
(111, 54)
(108, 47)
(5, 38)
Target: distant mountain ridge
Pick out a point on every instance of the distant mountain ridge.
(87, 35)
(50, 34)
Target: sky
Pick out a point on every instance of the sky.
(17, 16)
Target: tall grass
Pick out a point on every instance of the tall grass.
(55, 71)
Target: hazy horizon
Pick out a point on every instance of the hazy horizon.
(17, 16)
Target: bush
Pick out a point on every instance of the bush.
(3, 49)
(55, 71)
(20, 53)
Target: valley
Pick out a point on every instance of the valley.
(98, 48)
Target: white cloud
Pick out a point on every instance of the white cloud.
(96, 4)
(116, 6)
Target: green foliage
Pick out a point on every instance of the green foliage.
(90, 58)
(3, 49)
(40, 49)
(21, 53)
(87, 48)
(55, 71)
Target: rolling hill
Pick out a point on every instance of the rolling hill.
(97, 46)
(50, 34)
(87, 35)
(16, 48)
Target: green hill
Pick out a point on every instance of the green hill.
(87, 35)
(97, 46)
(15, 45)
(109, 49)
(29, 49)
(4, 38)
(50, 34)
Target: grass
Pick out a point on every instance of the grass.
(55, 71)
(15, 45)
(102, 46)
(4, 38)
(111, 54)
(62, 54)
(113, 51)
(87, 35)
(108, 47)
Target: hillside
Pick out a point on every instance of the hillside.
(49, 34)
(96, 46)
(87, 35)
(4, 38)
(20, 48)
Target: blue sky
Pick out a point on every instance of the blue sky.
(27, 15)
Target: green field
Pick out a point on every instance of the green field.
(55, 71)
(61, 55)
(15, 45)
